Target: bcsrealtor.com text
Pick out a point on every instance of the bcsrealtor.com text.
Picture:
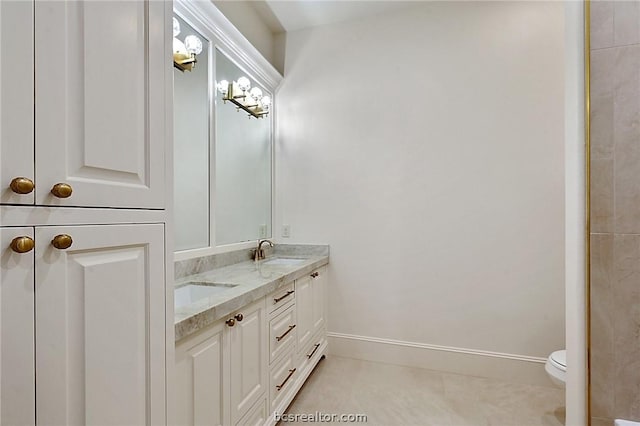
(320, 417)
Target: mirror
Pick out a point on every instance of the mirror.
(191, 148)
(243, 165)
(222, 156)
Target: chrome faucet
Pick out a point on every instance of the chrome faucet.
(259, 252)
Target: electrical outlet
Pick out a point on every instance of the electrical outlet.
(263, 231)
(286, 231)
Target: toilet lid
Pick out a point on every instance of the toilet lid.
(560, 359)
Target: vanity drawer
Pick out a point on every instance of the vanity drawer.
(282, 333)
(311, 353)
(283, 377)
(281, 297)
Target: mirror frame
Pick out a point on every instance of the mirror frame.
(204, 17)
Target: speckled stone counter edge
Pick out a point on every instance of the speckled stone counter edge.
(185, 326)
(198, 265)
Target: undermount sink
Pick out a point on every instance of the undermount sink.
(194, 291)
(284, 261)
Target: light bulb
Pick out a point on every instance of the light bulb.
(178, 47)
(176, 27)
(223, 87)
(244, 83)
(193, 44)
(256, 93)
(266, 101)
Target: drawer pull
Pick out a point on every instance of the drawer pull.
(287, 294)
(62, 190)
(315, 275)
(317, 345)
(62, 241)
(291, 327)
(22, 185)
(22, 244)
(239, 317)
(230, 322)
(280, 386)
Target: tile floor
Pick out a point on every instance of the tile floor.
(395, 395)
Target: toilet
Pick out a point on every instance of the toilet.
(556, 367)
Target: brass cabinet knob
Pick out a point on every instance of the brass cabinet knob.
(22, 185)
(231, 322)
(62, 190)
(62, 241)
(239, 317)
(22, 244)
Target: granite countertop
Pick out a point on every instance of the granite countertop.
(250, 280)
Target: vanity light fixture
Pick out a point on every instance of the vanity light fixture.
(184, 53)
(244, 97)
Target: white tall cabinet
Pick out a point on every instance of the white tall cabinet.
(99, 72)
(99, 334)
(16, 97)
(85, 92)
(17, 344)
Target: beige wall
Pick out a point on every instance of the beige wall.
(444, 210)
(615, 211)
(255, 21)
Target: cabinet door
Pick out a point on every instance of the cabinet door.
(100, 78)
(249, 355)
(17, 374)
(304, 310)
(257, 416)
(16, 97)
(319, 284)
(100, 326)
(200, 381)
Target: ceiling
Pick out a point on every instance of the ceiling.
(299, 14)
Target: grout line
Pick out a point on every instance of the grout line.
(596, 49)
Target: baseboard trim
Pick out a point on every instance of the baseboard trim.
(504, 366)
(525, 358)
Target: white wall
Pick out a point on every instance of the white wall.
(444, 210)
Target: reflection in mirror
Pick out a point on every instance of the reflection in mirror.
(191, 147)
(243, 166)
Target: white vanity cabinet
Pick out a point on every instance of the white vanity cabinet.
(221, 372)
(248, 366)
(283, 371)
(298, 338)
(310, 306)
(202, 381)
(249, 355)
(83, 92)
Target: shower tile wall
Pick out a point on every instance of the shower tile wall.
(615, 211)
